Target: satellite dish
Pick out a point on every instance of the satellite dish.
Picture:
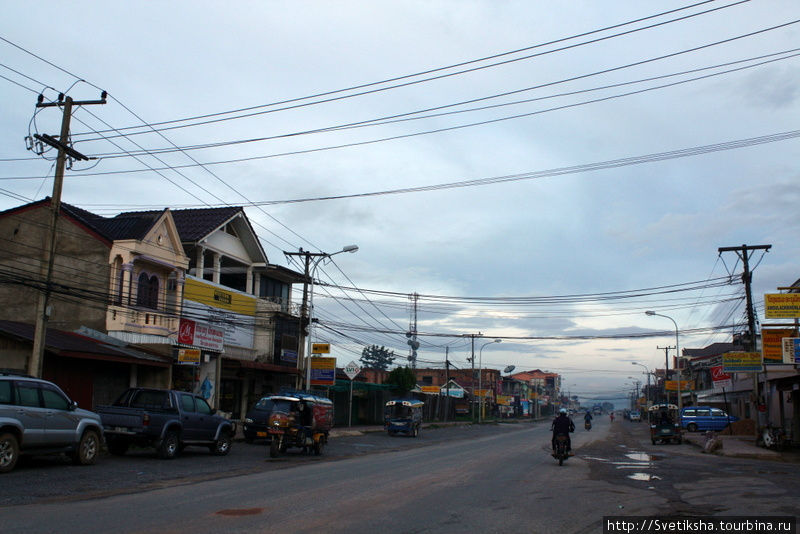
(509, 369)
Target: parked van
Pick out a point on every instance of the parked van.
(702, 418)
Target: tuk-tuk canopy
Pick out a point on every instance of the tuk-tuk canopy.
(410, 403)
(662, 407)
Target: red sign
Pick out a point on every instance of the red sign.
(720, 378)
(200, 335)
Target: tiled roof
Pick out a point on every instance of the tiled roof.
(195, 223)
(128, 225)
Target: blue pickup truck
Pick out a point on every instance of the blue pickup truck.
(165, 419)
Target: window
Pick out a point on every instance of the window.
(703, 413)
(427, 380)
(28, 394)
(187, 403)
(5, 392)
(203, 407)
(53, 399)
(147, 291)
(715, 412)
(690, 412)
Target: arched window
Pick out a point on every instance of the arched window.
(147, 291)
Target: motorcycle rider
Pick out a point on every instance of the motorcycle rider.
(562, 425)
(587, 419)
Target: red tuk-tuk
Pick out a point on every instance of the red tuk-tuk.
(299, 420)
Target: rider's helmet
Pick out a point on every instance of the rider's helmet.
(562, 410)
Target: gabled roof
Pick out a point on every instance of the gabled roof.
(196, 223)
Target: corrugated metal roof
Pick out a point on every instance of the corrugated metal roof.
(73, 344)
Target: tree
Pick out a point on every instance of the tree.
(375, 357)
(403, 378)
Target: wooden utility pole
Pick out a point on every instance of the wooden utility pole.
(49, 253)
(747, 277)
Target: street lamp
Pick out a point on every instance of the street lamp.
(647, 371)
(320, 256)
(678, 354)
(480, 376)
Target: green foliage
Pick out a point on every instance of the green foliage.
(375, 357)
(403, 378)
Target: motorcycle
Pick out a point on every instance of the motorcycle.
(773, 438)
(587, 425)
(560, 452)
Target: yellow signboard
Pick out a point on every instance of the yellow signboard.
(429, 389)
(483, 393)
(505, 400)
(772, 343)
(320, 348)
(782, 305)
(323, 371)
(742, 362)
(216, 297)
(189, 355)
(672, 385)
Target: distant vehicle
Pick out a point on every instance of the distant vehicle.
(635, 416)
(597, 409)
(165, 419)
(36, 418)
(403, 415)
(702, 418)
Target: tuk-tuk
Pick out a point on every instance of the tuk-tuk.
(299, 420)
(664, 423)
(403, 415)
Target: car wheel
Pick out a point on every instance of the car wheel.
(222, 446)
(9, 452)
(274, 447)
(117, 446)
(691, 427)
(170, 446)
(88, 448)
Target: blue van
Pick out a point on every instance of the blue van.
(702, 418)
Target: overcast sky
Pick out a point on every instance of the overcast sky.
(612, 141)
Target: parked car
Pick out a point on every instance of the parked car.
(256, 420)
(165, 419)
(702, 418)
(37, 418)
(634, 415)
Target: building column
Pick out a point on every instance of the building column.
(257, 284)
(125, 292)
(217, 267)
(201, 262)
(249, 283)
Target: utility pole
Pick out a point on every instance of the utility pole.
(472, 376)
(49, 253)
(412, 332)
(447, 382)
(666, 371)
(747, 277)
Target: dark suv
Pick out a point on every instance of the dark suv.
(36, 417)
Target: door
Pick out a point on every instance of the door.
(719, 419)
(190, 418)
(62, 421)
(29, 411)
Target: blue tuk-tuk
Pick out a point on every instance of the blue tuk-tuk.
(403, 415)
(665, 424)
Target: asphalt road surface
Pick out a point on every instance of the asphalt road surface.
(489, 478)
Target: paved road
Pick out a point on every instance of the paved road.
(488, 479)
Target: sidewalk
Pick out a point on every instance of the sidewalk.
(742, 447)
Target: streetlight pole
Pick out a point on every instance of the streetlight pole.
(308, 311)
(480, 376)
(648, 381)
(678, 355)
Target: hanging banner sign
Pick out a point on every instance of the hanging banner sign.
(782, 305)
(772, 343)
(742, 362)
(323, 371)
(201, 335)
(672, 385)
(791, 350)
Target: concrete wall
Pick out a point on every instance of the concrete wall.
(81, 262)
